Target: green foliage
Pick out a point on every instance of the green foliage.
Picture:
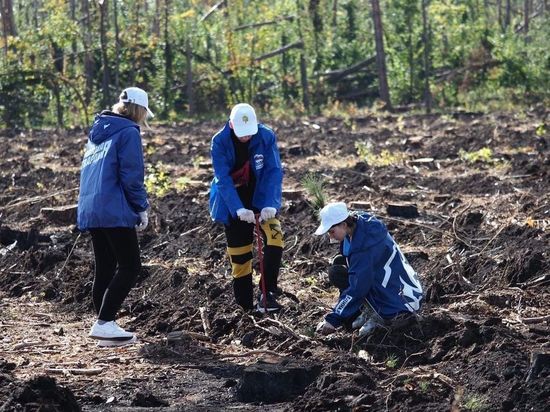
(182, 183)
(541, 129)
(475, 62)
(157, 180)
(384, 158)
(483, 155)
(197, 160)
(424, 386)
(314, 186)
(475, 403)
(391, 361)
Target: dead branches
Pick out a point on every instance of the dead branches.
(36, 199)
(274, 331)
(75, 371)
(205, 322)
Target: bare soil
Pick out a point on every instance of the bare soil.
(476, 231)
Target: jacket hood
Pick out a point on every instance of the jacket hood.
(107, 124)
(369, 232)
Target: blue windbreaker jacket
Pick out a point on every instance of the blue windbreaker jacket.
(265, 163)
(112, 175)
(378, 272)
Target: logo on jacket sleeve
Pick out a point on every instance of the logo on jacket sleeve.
(259, 161)
(342, 304)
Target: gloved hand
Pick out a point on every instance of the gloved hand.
(246, 215)
(144, 220)
(325, 328)
(268, 213)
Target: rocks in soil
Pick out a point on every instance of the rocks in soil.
(25, 240)
(6, 366)
(144, 398)
(293, 194)
(406, 210)
(62, 215)
(358, 205)
(539, 361)
(43, 394)
(275, 383)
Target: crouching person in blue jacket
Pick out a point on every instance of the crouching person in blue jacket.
(112, 205)
(375, 280)
(247, 186)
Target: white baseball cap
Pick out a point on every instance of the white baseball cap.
(331, 215)
(137, 96)
(243, 118)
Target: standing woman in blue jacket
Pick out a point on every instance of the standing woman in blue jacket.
(370, 272)
(112, 206)
(247, 183)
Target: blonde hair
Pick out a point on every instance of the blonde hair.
(133, 111)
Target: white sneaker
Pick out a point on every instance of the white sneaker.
(368, 328)
(359, 321)
(116, 343)
(109, 331)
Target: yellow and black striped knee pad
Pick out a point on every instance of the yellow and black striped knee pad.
(273, 232)
(241, 260)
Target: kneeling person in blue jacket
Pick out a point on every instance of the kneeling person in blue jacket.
(370, 272)
(247, 185)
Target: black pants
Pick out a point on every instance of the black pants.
(117, 265)
(338, 273)
(240, 236)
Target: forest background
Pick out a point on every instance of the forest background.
(64, 60)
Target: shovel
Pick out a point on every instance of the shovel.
(260, 243)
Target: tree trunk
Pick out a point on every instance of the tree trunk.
(8, 19)
(526, 11)
(117, 46)
(303, 65)
(304, 81)
(317, 23)
(284, 68)
(156, 18)
(103, 16)
(334, 14)
(74, 47)
(189, 78)
(58, 57)
(410, 57)
(380, 54)
(426, 41)
(8, 22)
(499, 13)
(35, 6)
(507, 15)
(89, 66)
(168, 81)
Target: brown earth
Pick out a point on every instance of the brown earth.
(477, 232)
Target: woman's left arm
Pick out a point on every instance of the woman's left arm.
(131, 169)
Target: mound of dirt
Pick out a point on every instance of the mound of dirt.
(41, 394)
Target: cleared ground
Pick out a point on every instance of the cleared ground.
(480, 241)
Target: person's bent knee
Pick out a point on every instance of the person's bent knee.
(339, 260)
(273, 233)
(338, 276)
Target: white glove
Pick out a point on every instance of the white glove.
(144, 220)
(246, 215)
(325, 328)
(268, 213)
